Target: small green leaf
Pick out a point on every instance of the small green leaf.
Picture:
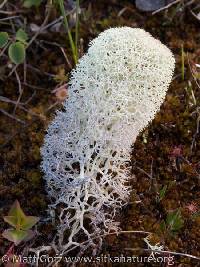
(30, 235)
(21, 36)
(18, 219)
(16, 52)
(30, 3)
(15, 236)
(12, 220)
(3, 39)
(28, 222)
(15, 215)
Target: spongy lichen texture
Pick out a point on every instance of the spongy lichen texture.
(114, 92)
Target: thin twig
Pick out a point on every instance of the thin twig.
(68, 62)
(20, 91)
(189, 3)
(143, 171)
(30, 112)
(11, 116)
(4, 49)
(60, 19)
(11, 12)
(19, 82)
(50, 43)
(36, 87)
(2, 4)
(13, 70)
(196, 16)
(122, 11)
(166, 7)
(25, 71)
(132, 232)
(197, 130)
(30, 98)
(49, 8)
(41, 72)
(195, 79)
(7, 100)
(8, 18)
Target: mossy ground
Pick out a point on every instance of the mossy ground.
(167, 151)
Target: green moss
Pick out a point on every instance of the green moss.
(34, 177)
(35, 152)
(38, 202)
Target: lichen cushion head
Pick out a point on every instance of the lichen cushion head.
(114, 92)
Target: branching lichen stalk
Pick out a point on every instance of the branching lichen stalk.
(114, 92)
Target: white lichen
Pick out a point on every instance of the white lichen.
(114, 92)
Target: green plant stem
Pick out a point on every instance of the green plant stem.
(77, 27)
(62, 9)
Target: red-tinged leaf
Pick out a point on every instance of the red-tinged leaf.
(10, 254)
(12, 220)
(10, 251)
(15, 264)
(30, 235)
(18, 219)
(15, 236)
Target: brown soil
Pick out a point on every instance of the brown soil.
(163, 153)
